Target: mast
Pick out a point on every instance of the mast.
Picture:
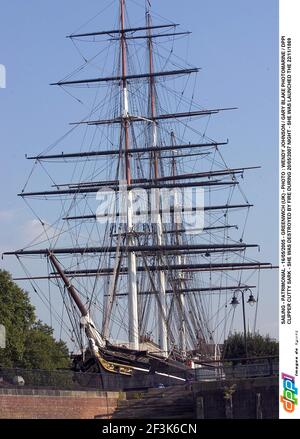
(178, 260)
(132, 278)
(162, 311)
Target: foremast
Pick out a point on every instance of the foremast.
(132, 277)
(162, 309)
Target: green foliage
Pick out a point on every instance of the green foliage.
(42, 351)
(17, 315)
(29, 343)
(229, 391)
(257, 346)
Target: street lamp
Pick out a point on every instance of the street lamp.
(251, 300)
(234, 302)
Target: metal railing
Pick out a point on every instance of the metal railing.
(234, 370)
(69, 380)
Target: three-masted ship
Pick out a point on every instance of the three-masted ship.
(143, 245)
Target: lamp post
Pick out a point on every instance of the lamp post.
(234, 302)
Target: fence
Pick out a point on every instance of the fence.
(69, 380)
(269, 367)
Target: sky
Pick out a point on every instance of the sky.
(235, 44)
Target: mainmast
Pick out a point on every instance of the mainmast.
(162, 316)
(179, 259)
(132, 278)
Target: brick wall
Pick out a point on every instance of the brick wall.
(55, 404)
(250, 397)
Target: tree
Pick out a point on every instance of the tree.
(42, 351)
(17, 315)
(257, 346)
(29, 342)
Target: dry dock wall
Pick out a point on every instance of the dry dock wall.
(237, 399)
(56, 404)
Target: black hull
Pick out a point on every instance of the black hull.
(147, 371)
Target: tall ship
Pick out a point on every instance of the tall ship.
(142, 253)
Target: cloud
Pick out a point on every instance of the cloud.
(33, 230)
(17, 232)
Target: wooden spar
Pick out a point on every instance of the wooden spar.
(153, 252)
(120, 152)
(128, 77)
(145, 186)
(124, 30)
(123, 271)
(195, 290)
(68, 285)
(158, 117)
(186, 268)
(193, 209)
(199, 175)
(170, 232)
(138, 37)
(205, 229)
(194, 154)
(205, 253)
(164, 178)
(145, 180)
(184, 290)
(133, 248)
